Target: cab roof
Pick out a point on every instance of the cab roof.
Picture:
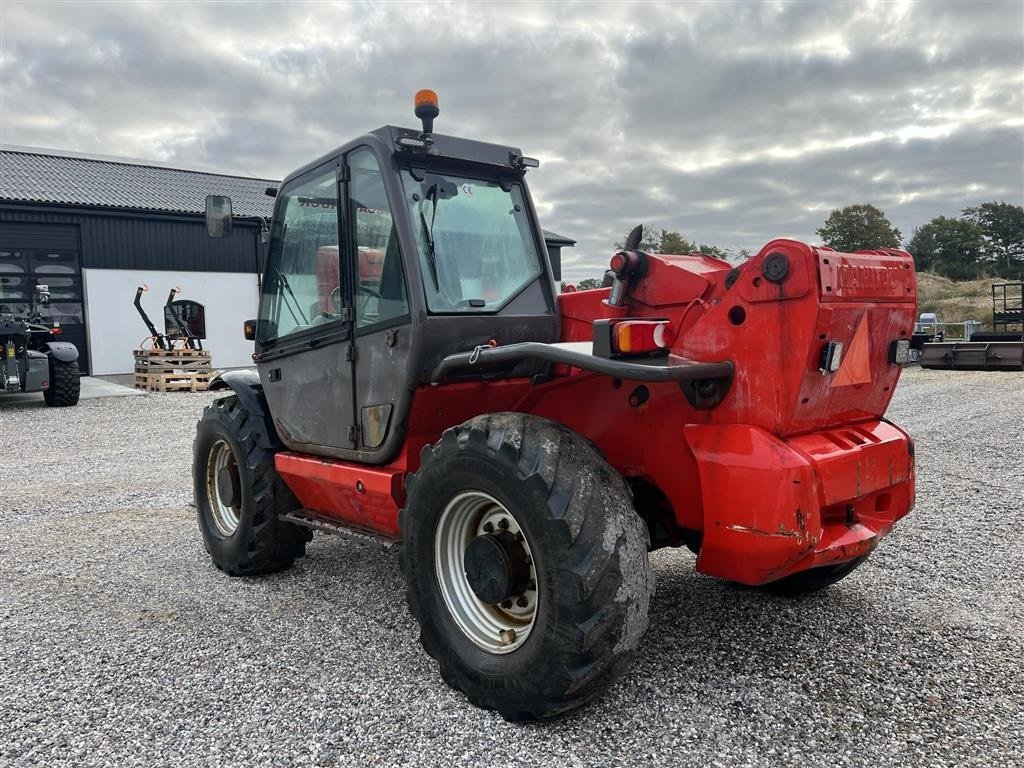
(446, 147)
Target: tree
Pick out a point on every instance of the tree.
(950, 247)
(587, 283)
(858, 227)
(673, 242)
(1002, 225)
(714, 250)
(649, 241)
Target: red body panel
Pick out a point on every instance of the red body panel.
(773, 507)
(794, 468)
(363, 496)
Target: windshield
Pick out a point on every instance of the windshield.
(476, 248)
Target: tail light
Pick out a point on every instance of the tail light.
(831, 357)
(642, 336)
(617, 338)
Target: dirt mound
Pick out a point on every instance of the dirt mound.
(955, 301)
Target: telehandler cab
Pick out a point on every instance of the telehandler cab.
(420, 380)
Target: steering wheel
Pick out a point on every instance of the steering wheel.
(370, 292)
(336, 296)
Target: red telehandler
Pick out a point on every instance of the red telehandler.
(528, 449)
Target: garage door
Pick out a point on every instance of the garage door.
(45, 254)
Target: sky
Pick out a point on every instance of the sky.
(733, 123)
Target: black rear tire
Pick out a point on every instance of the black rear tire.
(588, 545)
(65, 384)
(813, 579)
(261, 542)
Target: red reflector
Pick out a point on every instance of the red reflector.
(56, 331)
(618, 262)
(638, 336)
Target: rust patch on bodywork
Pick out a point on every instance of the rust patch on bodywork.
(800, 534)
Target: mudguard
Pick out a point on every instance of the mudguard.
(37, 376)
(247, 387)
(61, 350)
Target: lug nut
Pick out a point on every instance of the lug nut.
(507, 636)
(519, 536)
(489, 527)
(503, 524)
(531, 585)
(506, 604)
(522, 602)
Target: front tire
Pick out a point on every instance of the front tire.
(65, 384)
(239, 495)
(525, 564)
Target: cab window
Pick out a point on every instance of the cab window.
(301, 290)
(476, 247)
(380, 286)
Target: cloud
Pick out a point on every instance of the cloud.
(732, 122)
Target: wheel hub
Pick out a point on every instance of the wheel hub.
(496, 567)
(227, 485)
(486, 572)
(223, 488)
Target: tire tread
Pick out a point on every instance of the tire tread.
(65, 384)
(270, 544)
(604, 579)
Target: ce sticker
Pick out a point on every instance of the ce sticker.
(467, 190)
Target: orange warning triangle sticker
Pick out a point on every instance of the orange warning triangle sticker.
(856, 365)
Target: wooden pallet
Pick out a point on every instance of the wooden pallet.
(149, 361)
(174, 381)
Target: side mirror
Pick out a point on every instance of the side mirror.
(43, 294)
(249, 328)
(218, 215)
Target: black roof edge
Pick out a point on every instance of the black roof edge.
(117, 160)
(46, 206)
(556, 239)
(100, 210)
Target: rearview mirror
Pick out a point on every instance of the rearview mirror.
(446, 190)
(218, 215)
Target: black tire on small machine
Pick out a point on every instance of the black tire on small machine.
(238, 501)
(812, 579)
(65, 384)
(579, 535)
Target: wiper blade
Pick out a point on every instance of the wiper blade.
(431, 258)
(288, 292)
(428, 233)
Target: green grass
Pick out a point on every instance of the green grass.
(955, 302)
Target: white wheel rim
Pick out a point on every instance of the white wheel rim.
(498, 628)
(225, 517)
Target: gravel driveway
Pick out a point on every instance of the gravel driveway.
(120, 644)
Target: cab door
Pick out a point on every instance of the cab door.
(382, 319)
(304, 330)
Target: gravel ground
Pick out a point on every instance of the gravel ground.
(121, 645)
